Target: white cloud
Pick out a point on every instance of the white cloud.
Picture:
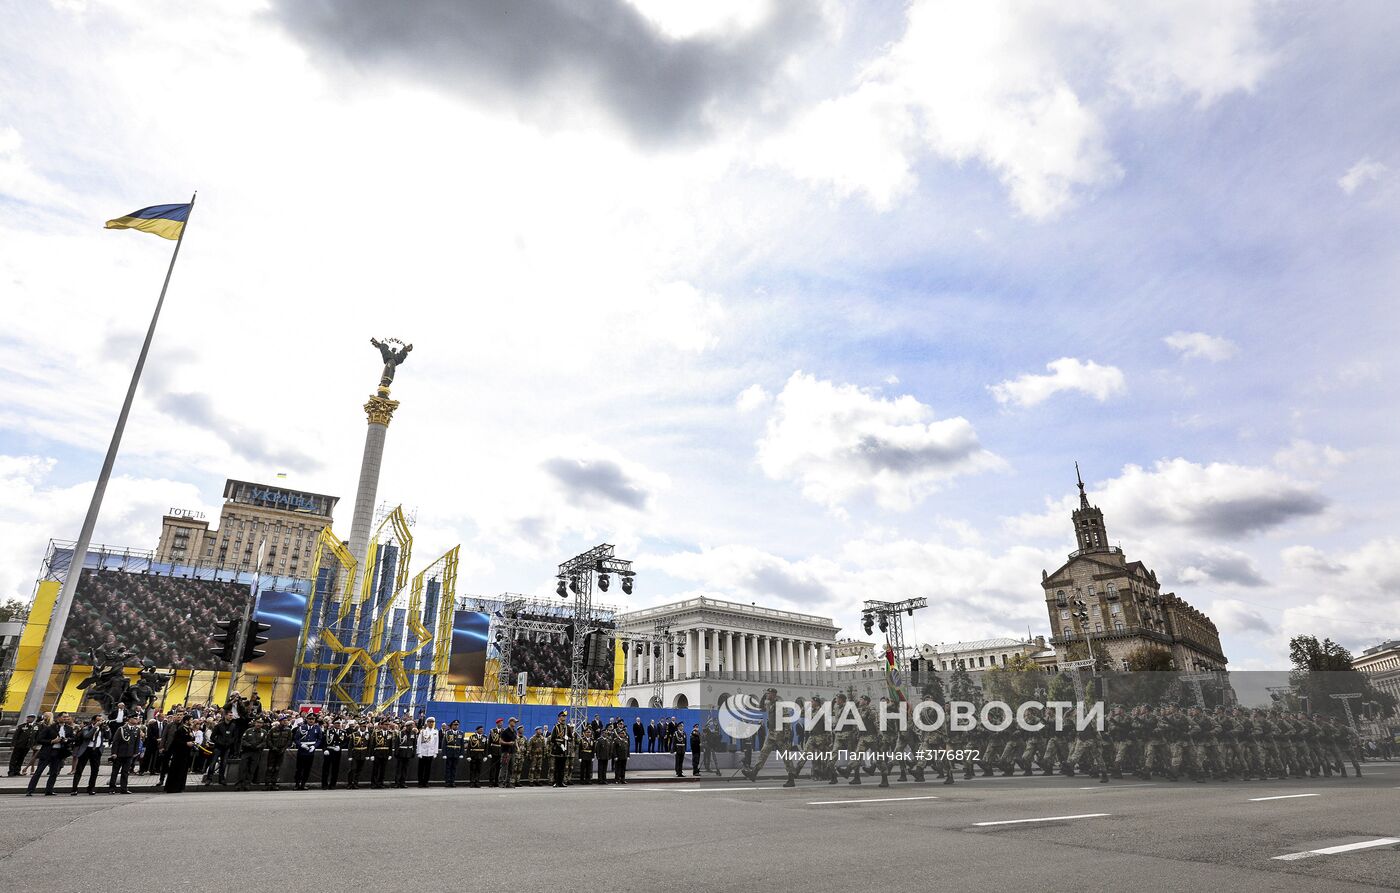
(32, 511)
(1304, 457)
(1200, 346)
(752, 397)
(1182, 518)
(979, 593)
(1066, 374)
(1023, 89)
(839, 440)
(1363, 172)
(1239, 618)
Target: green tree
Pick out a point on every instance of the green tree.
(1149, 659)
(13, 609)
(1015, 682)
(1308, 654)
(932, 687)
(960, 685)
(1322, 669)
(1061, 688)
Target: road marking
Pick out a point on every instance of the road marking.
(865, 800)
(734, 790)
(1281, 797)
(1119, 787)
(1049, 818)
(1344, 848)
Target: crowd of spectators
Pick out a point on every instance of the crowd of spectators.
(165, 619)
(244, 745)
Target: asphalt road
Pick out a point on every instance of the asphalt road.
(1126, 835)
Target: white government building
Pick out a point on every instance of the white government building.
(727, 648)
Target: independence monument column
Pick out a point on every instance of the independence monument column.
(379, 409)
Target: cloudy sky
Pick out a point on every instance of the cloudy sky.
(796, 303)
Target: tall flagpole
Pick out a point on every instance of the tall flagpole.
(39, 684)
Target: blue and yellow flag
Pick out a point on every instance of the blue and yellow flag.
(166, 221)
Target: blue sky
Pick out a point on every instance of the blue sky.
(797, 304)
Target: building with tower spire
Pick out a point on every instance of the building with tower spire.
(1101, 602)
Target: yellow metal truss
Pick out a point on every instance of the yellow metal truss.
(446, 568)
(326, 542)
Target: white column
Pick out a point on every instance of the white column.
(714, 651)
(787, 655)
(831, 658)
(729, 651)
(763, 654)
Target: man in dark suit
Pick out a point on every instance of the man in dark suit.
(150, 757)
(638, 730)
(21, 742)
(87, 753)
(651, 737)
(55, 742)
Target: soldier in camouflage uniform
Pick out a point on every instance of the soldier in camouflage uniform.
(1198, 736)
(1057, 748)
(820, 742)
(1089, 749)
(778, 736)
(1118, 729)
(279, 739)
(1033, 750)
(1227, 749)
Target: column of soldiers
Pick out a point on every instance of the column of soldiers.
(1166, 741)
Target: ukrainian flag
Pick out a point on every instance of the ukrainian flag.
(166, 221)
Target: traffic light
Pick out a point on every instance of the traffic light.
(253, 639)
(225, 639)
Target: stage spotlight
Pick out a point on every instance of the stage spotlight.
(868, 622)
(573, 585)
(627, 583)
(911, 612)
(624, 646)
(603, 582)
(680, 651)
(656, 651)
(884, 624)
(561, 590)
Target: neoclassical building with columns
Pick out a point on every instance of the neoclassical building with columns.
(726, 648)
